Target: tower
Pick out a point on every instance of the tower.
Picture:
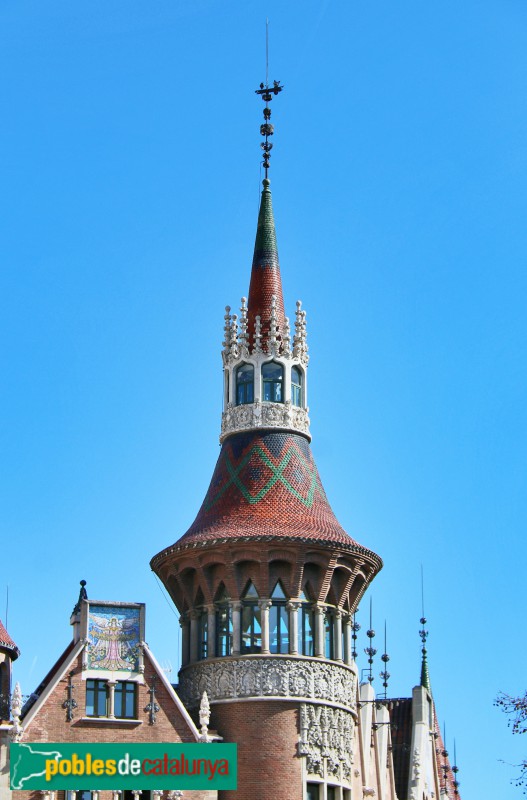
(265, 579)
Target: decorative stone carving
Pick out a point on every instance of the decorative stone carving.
(268, 676)
(327, 735)
(16, 711)
(204, 717)
(264, 415)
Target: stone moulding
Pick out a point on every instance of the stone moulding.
(269, 678)
(256, 415)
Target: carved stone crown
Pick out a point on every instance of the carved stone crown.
(275, 347)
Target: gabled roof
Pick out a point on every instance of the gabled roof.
(67, 660)
(6, 643)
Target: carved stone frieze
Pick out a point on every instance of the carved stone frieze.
(264, 415)
(327, 736)
(267, 676)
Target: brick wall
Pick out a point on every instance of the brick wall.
(267, 734)
(51, 725)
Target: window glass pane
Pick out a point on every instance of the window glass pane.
(272, 371)
(223, 631)
(90, 698)
(203, 635)
(331, 795)
(313, 792)
(251, 591)
(130, 701)
(274, 635)
(244, 384)
(328, 635)
(278, 592)
(251, 629)
(284, 629)
(296, 376)
(118, 700)
(306, 643)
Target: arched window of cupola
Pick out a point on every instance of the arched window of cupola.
(306, 629)
(296, 387)
(278, 621)
(223, 622)
(273, 382)
(244, 384)
(251, 621)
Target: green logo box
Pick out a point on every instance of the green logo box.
(93, 767)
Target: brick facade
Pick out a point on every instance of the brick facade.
(267, 738)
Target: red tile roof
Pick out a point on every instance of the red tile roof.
(7, 643)
(266, 484)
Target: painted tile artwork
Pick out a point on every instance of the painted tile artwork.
(113, 635)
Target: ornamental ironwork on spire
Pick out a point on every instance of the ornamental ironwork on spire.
(264, 361)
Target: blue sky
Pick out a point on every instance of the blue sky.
(130, 183)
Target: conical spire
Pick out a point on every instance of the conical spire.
(266, 281)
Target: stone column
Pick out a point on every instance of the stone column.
(211, 630)
(293, 607)
(337, 635)
(185, 639)
(111, 698)
(236, 627)
(194, 637)
(320, 612)
(348, 659)
(265, 605)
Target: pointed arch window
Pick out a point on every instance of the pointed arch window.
(251, 621)
(306, 629)
(296, 387)
(244, 384)
(278, 621)
(273, 382)
(223, 624)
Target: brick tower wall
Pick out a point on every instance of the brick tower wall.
(267, 735)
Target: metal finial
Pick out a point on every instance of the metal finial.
(266, 92)
(385, 675)
(370, 651)
(423, 634)
(83, 595)
(455, 770)
(355, 628)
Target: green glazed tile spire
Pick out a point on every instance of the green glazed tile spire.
(266, 280)
(265, 249)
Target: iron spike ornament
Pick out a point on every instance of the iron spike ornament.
(370, 651)
(267, 92)
(70, 704)
(384, 674)
(152, 707)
